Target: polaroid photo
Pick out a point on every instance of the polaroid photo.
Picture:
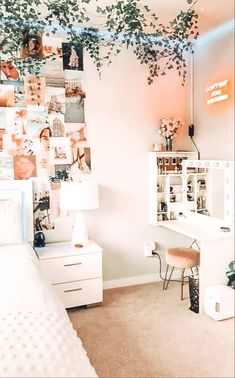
(60, 151)
(7, 96)
(72, 56)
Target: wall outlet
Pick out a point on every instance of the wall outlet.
(149, 248)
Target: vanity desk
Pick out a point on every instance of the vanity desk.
(197, 205)
(216, 247)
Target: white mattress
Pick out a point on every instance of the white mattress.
(36, 335)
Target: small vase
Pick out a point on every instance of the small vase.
(168, 144)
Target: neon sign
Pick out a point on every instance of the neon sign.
(217, 92)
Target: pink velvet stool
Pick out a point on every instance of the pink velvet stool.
(183, 258)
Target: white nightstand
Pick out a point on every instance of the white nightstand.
(75, 273)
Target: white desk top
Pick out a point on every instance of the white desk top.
(199, 227)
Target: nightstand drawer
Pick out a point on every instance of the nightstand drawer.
(80, 293)
(72, 268)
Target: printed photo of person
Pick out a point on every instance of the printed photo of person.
(72, 56)
(7, 96)
(42, 207)
(77, 133)
(24, 167)
(44, 168)
(31, 44)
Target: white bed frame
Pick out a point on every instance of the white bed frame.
(22, 192)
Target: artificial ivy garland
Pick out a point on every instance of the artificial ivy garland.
(125, 24)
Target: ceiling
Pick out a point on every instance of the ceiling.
(212, 13)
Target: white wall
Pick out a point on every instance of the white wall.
(214, 62)
(122, 115)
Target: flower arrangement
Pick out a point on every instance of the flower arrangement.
(169, 127)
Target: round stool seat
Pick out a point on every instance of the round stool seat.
(182, 257)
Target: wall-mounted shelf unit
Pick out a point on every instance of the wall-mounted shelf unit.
(166, 184)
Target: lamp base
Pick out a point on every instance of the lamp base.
(79, 236)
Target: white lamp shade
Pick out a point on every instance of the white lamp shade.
(79, 195)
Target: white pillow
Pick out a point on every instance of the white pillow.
(10, 222)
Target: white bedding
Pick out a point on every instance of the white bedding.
(36, 335)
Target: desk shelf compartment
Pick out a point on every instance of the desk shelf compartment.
(166, 184)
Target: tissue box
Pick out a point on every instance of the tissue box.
(219, 302)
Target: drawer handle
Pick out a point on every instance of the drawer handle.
(79, 263)
(69, 291)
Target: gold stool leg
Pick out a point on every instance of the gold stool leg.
(164, 281)
(166, 286)
(182, 284)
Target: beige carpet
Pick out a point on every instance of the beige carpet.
(142, 331)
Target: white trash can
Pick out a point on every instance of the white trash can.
(219, 302)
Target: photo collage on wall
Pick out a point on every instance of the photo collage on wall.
(42, 122)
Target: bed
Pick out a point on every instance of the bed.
(36, 336)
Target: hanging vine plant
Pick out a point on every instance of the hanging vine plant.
(125, 24)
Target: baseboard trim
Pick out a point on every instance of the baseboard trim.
(135, 280)
(129, 281)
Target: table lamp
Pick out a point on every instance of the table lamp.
(76, 197)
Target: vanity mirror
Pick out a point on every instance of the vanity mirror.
(208, 188)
